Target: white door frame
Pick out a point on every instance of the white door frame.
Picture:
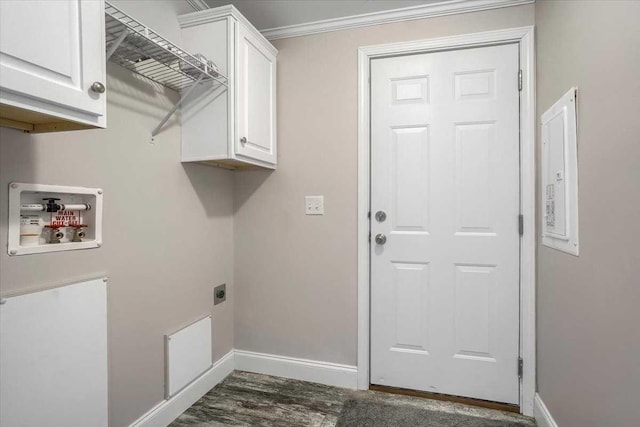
(524, 36)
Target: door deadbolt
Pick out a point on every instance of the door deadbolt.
(381, 239)
(381, 216)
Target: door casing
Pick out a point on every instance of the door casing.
(524, 36)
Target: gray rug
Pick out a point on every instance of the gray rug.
(371, 413)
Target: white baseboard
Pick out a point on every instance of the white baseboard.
(168, 410)
(299, 369)
(541, 413)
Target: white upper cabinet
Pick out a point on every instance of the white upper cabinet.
(52, 65)
(236, 127)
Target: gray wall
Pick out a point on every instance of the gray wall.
(168, 227)
(588, 316)
(295, 275)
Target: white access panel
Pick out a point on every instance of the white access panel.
(188, 355)
(560, 175)
(53, 357)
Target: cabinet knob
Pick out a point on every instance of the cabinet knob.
(243, 140)
(97, 87)
(381, 239)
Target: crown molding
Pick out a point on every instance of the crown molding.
(209, 15)
(198, 5)
(430, 10)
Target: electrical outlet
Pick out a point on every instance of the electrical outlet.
(314, 205)
(219, 294)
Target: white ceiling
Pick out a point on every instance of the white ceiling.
(265, 14)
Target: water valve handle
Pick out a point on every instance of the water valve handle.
(52, 206)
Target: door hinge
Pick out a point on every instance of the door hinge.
(520, 367)
(369, 237)
(521, 224)
(519, 80)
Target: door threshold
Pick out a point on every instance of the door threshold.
(447, 398)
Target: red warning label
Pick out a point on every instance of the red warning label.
(65, 219)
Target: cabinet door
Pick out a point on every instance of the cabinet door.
(51, 52)
(256, 99)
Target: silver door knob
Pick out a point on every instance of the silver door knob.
(381, 239)
(97, 87)
(243, 140)
(381, 216)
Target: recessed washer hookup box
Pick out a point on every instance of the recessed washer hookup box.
(53, 218)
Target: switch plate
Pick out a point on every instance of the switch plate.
(314, 205)
(219, 294)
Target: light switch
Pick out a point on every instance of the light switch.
(314, 205)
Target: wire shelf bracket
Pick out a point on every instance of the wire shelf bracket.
(136, 47)
(177, 105)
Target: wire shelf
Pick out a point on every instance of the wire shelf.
(136, 47)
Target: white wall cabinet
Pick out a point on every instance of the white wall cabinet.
(233, 128)
(52, 65)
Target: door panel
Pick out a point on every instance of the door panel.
(256, 99)
(473, 285)
(411, 300)
(445, 169)
(53, 51)
(410, 210)
(472, 177)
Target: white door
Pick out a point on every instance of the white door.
(256, 99)
(445, 170)
(51, 52)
